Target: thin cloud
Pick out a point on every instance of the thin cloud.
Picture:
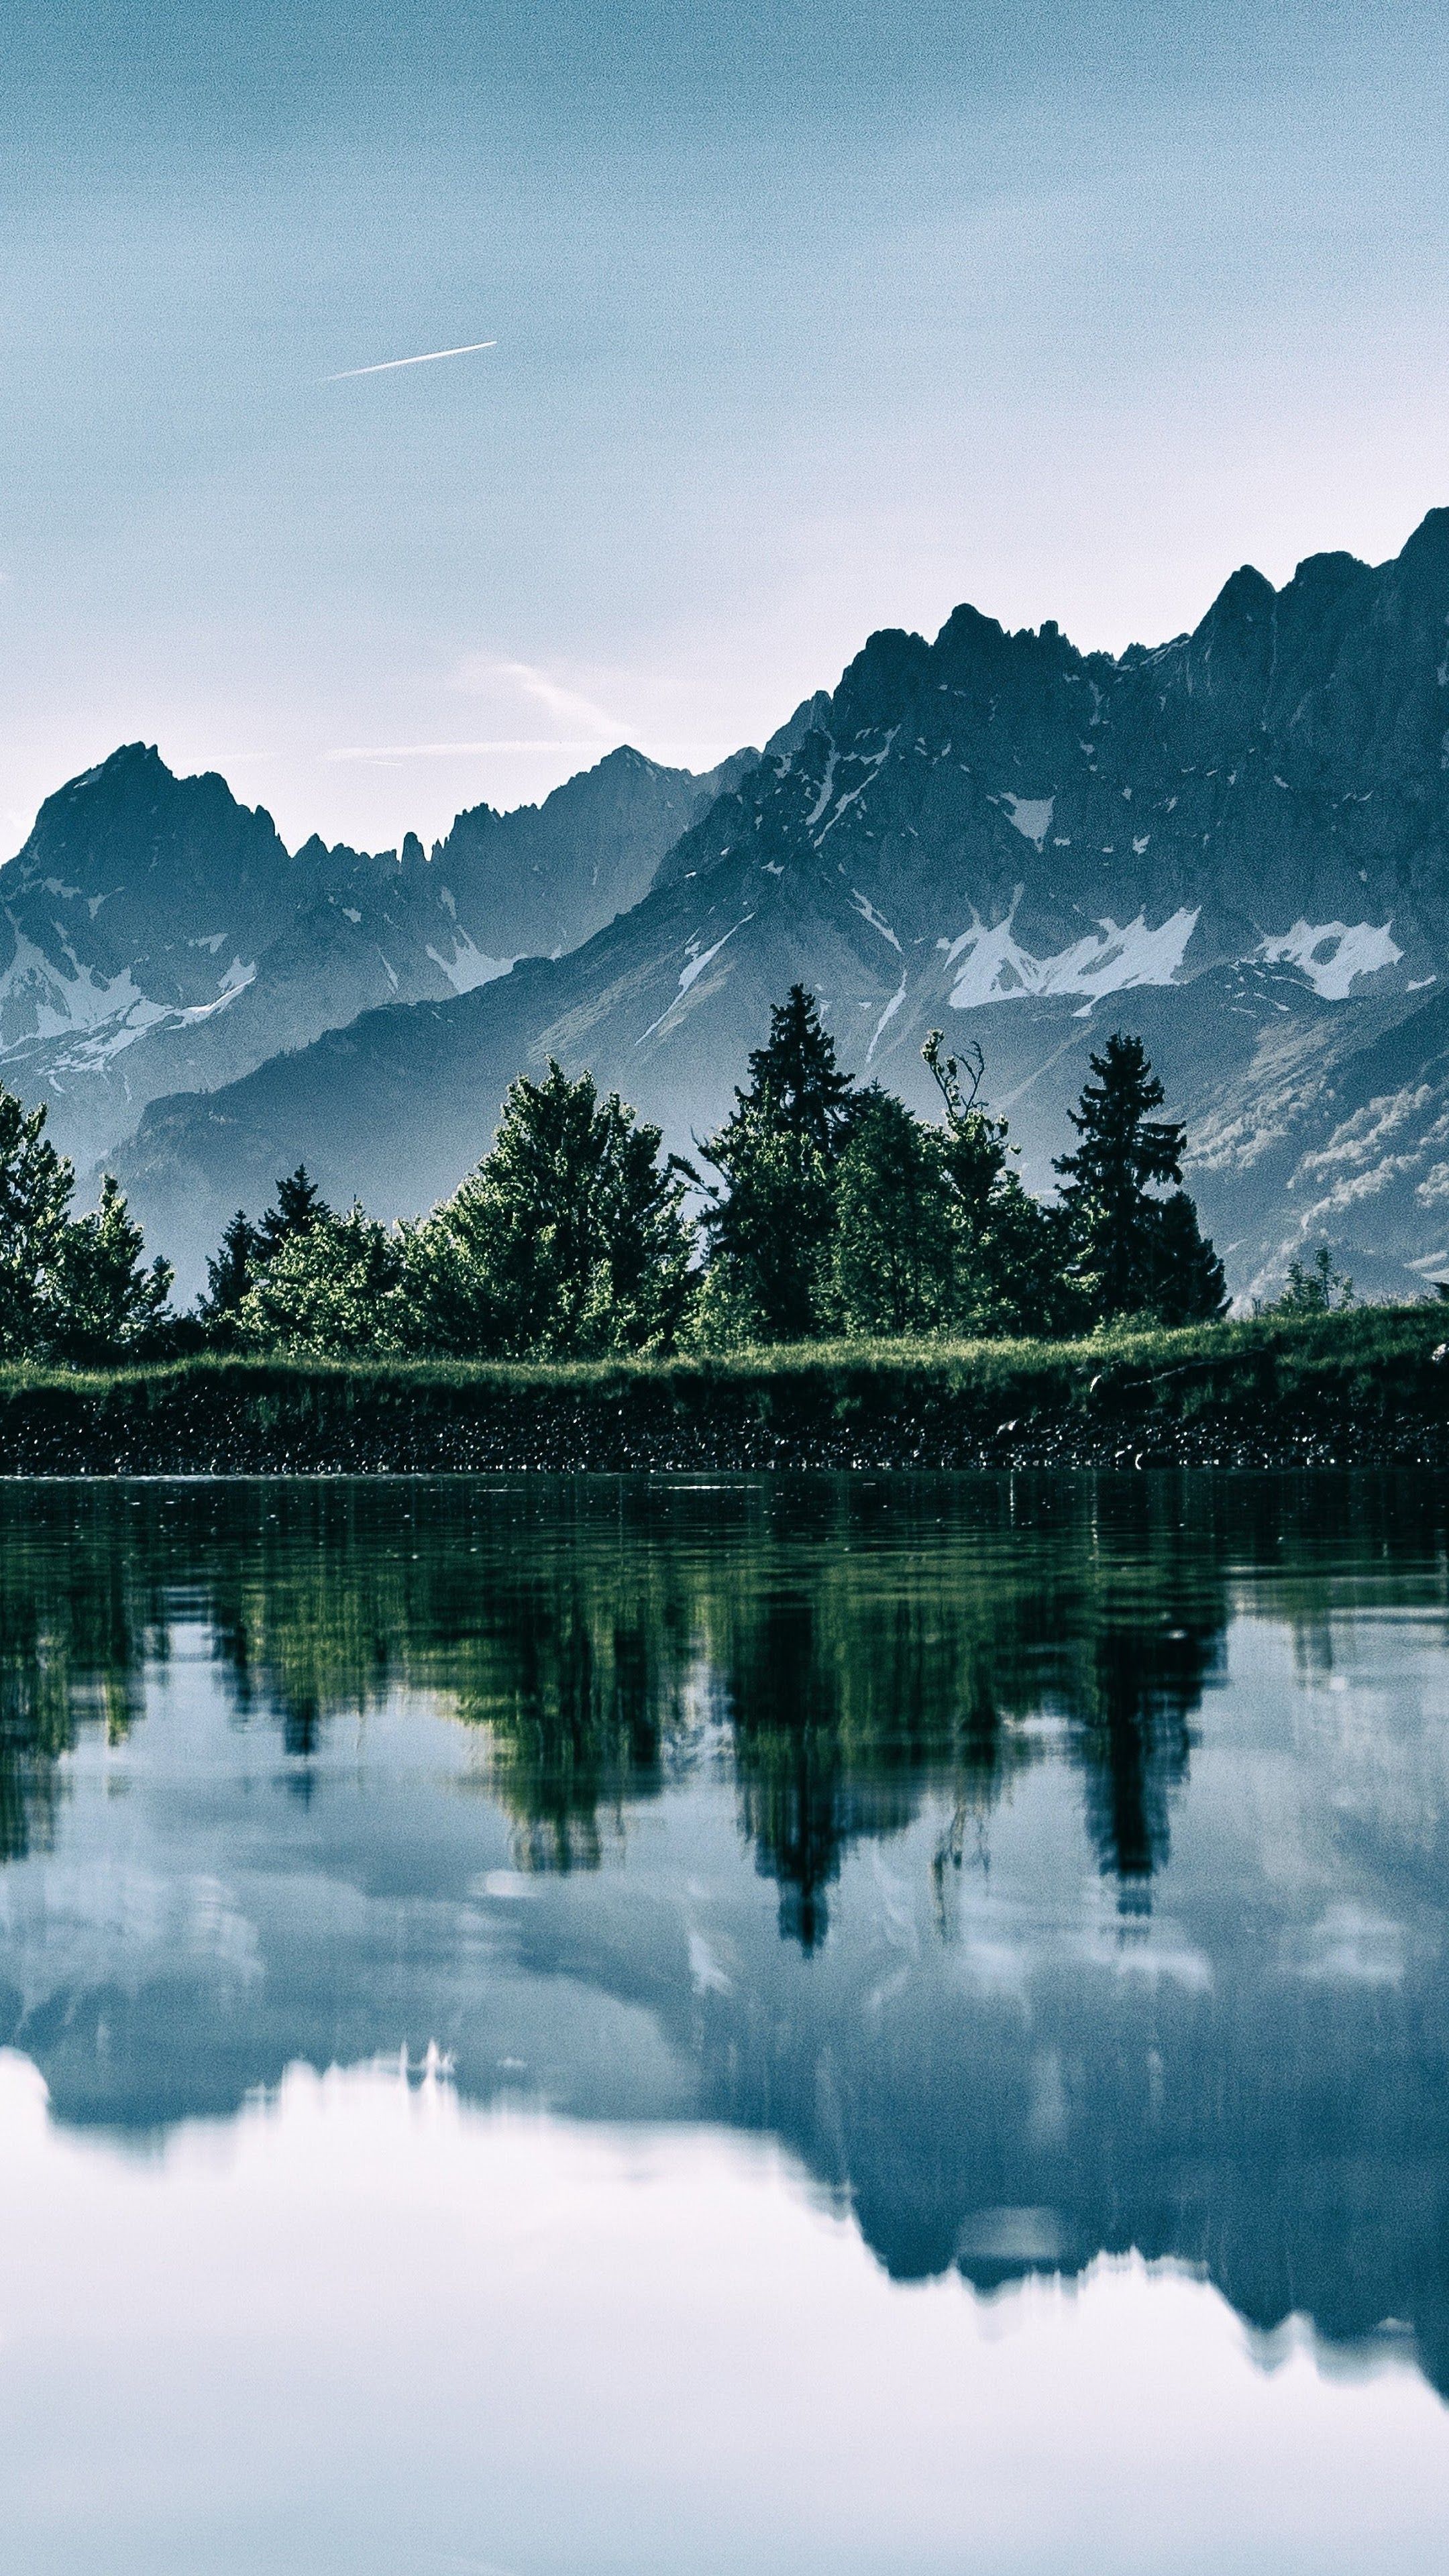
(429, 357)
(477, 676)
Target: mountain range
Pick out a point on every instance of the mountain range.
(157, 937)
(1234, 842)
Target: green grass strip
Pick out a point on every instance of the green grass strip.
(1359, 1387)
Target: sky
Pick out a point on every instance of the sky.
(809, 319)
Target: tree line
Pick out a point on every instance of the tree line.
(822, 1207)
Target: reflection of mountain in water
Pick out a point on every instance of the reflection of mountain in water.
(1010, 2049)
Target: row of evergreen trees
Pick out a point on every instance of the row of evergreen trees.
(837, 1210)
(827, 1208)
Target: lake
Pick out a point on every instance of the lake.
(878, 2025)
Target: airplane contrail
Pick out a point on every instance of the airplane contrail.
(386, 365)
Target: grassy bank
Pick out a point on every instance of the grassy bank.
(1349, 1389)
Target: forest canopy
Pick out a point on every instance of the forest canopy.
(821, 1208)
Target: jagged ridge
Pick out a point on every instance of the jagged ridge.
(1235, 841)
(156, 936)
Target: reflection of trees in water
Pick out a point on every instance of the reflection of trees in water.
(1135, 1743)
(806, 1791)
(911, 1645)
(840, 1655)
(864, 1643)
(580, 1671)
(72, 1635)
(850, 1634)
(1141, 1619)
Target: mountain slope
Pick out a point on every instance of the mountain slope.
(156, 936)
(546, 877)
(1235, 842)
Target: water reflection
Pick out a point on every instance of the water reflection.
(1093, 1918)
(855, 1642)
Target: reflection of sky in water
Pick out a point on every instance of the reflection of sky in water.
(365, 2328)
(933, 2015)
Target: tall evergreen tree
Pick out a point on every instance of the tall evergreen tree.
(892, 1257)
(246, 1250)
(768, 1234)
(36, 1184)
(332, 1286)
(768, 1238)
(102, 1302)
(298, 1206)
(795, 1087)
(230, 1273)
(568, 1238)
(1010, 1251)
(1191, 1284)
(1131, 1257)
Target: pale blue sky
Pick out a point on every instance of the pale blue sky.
(809, 319)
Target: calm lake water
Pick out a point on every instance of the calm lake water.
(876, 2026)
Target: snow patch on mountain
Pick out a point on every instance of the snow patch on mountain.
(870, 762)
(696, 960)
(467, 968)
(1032, 816)
(877, 920)
(1332, 953)
(102, 1015)
(236, 980)
(699, 958)
(826, 784)
(887, 1015)
(39, 999)
(996, 968)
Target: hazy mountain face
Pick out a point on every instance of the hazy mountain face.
(156, 936)
(548, 876)
(1235, 843)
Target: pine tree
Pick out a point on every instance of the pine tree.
(36, 1185)
(101, 1302)
(1010, 1251)
(1314, 1288)
(246, 1250)
(650, 1242)
(230, 1274)
(568, 1238)
(892, 1263)
(768, 1234)
(298, 1206)
(332, 1286)
(1123, 1154)
(767, 1273)
(796, 1087)
(1190, 1285)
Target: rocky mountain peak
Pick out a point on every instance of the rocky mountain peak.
(1247, 598)
(1426, 555)
(155, 934)
(130, 835)
(551, 874)
(809, 717)
(1326, 580)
